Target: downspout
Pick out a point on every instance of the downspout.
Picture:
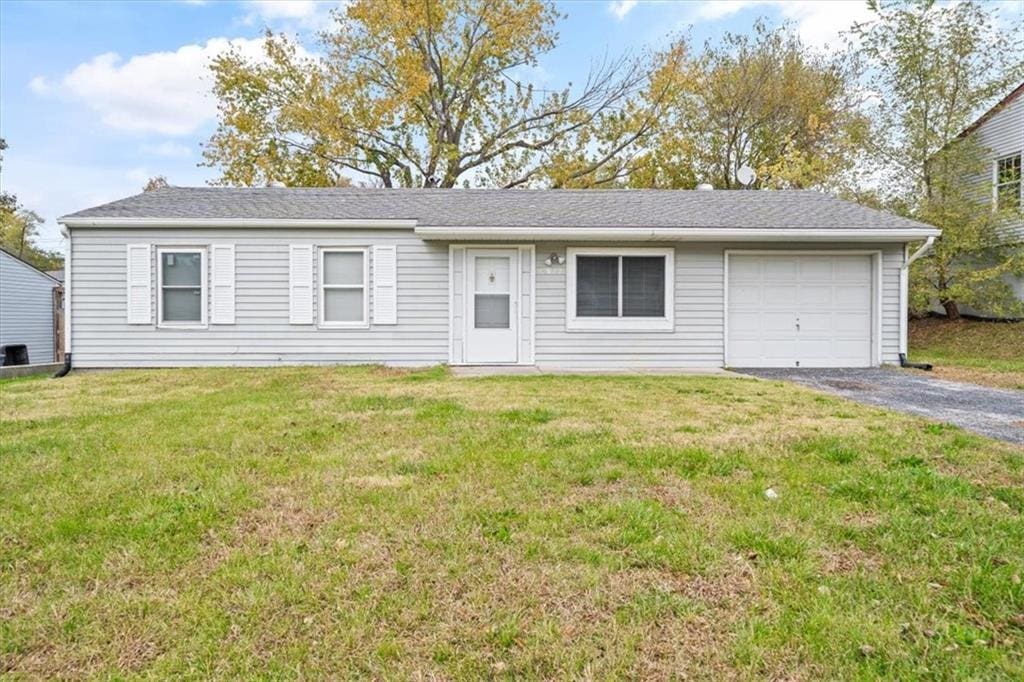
(904, 297)
(66, 231)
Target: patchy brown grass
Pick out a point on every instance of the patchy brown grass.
(369, 523)
(973, 351)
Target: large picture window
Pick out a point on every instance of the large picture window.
(182, 287)
(343, 293)
(1008, 183)
(627, 289)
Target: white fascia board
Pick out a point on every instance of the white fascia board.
(674, 234)
(233, 222)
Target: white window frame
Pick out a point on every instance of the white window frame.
(664, 323)
(996, 184)
(365, 286)
(203, 286)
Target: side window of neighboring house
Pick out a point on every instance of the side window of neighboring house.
(181, 299)
(1008, 182)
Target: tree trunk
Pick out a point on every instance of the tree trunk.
(952, 310)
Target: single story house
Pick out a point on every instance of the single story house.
(554, 278)
(27, 309)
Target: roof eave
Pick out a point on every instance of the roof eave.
(675, 234)
(72, 221)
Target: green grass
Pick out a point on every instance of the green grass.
(326, 522)
(990, 353)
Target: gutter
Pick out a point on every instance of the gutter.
(66, 232)
(673, 234)
(904, 299)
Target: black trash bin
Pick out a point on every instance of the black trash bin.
(14, 354)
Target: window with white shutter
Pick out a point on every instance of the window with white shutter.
(385, 285)
(300, 283)
(140, 277)
(344, 292)
(181, 286)
(223, 274)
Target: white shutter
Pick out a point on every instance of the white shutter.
(140, 277)
(300, 283)
(385, 285)
(223, 284)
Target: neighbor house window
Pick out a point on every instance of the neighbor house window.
(627, 289)
(1008, 182)
(343, 295)
(182, 280)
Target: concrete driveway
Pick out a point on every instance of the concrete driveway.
(992, 412)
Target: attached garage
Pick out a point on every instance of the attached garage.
(802, 308)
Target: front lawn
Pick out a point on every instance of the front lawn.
(989, 353)
(325, 522)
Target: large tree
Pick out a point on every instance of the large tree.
(763, 100)
(933, 68)
(423, 94)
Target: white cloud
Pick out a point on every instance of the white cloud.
(159, 92)
(40, 85)
(620, 8)
(293, 14)
(818, 23)
(167, 149)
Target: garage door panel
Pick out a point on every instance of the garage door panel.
(779, 268)
(831, 296)
(859, 323)
(778, 349)
(814, 295)
(816, 323)
(772, 322)
(816, 269)
(745, 269)
(779, 296)
(853, 296)
(852, 268)
(743, 295)
(744, 323)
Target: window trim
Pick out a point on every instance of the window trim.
(365, 286)
(996, 184)
(664, 323)
(204, 292)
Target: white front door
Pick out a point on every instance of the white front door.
(800, 310)
(492, 302)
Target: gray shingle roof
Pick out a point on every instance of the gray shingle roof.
(784, 209)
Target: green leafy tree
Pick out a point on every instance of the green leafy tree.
(766, 101)
(427, 94)
(19, 227)
(934, 67)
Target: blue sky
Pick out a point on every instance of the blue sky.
(96, 97)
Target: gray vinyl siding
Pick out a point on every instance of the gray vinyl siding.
(26, 308)
(261, 335)
(698, 339)
(1002, 135)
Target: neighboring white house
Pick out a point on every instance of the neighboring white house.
(554, 278)
(1000, 130)
(26, 308)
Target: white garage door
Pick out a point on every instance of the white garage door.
(809, 310)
